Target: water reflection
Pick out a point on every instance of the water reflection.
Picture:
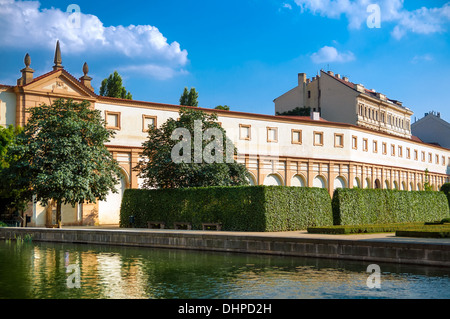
(41, 270)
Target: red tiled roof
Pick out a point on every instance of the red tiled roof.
(303, 118)
(367, 91)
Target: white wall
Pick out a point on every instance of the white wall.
(7, 108)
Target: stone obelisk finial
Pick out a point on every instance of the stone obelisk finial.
(57, 59)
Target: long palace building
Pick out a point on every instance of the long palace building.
(355, 137)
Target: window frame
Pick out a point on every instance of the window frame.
(118, 114)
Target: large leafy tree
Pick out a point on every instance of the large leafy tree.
(112, 87)
(61, 155)
(160, 169)
(11, 197)
(189, 98)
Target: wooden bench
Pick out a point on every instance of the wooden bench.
(182, 225)
(156, 225)
(208, 226)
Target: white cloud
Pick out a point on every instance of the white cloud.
(153, 70)
(422, 58)
(331, 54)
(23, 24)
(420, 21)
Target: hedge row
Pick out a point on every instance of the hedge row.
(446, 189)
(244, 208)
(375, 206)
(430, 231)
(363, 229)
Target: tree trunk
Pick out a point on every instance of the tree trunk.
(58, 213)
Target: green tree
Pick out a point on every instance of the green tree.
(189, 98)
(61, 155)
(426, 185)
(112, 87)
(11, 197)
(162, 171)
(222, 107)
(298, 111)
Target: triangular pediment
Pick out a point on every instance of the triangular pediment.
(59, 83)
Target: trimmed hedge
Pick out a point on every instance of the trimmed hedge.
(428, 231)
(241, 208)
(376, 206)
(446, 189)
(362, 229)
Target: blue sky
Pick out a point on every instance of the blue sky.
(241, 53)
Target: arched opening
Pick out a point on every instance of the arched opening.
(252, 179)
(411, 186)
(298, 181)
(404, 187)
(377, 184)
(367, 183)
(396, 185)
(109, 209)
(419, 187)
(273, 180)
(339, 182)
(319, 182)
(387, 185)
(356, 183)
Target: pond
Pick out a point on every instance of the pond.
(34, 270)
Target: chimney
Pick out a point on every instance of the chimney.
(85, 79)
(382, 97)
(331, 73)
(338, 75)
(315, 116)
(301, 78)
(345, 79)
(360, 88)
(27, 72)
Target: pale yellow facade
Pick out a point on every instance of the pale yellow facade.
(277, 150)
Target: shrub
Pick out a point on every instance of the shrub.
(362, 229)
(446, 189)
(239, 208)
(375, 206)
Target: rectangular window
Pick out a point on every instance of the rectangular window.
(437, 159)
(354, 142)
(272, 134)
(408, 153)
(148, 120)
(365, 145)
(245, 132)
(423, 156)
(112, 120)
(400, 151)
(296, 137)
(375, 146)
(430, 158)
(392, 150)
(338, 140)
(318, 138)
(443, 160)
(384, 148)
(416, 155)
